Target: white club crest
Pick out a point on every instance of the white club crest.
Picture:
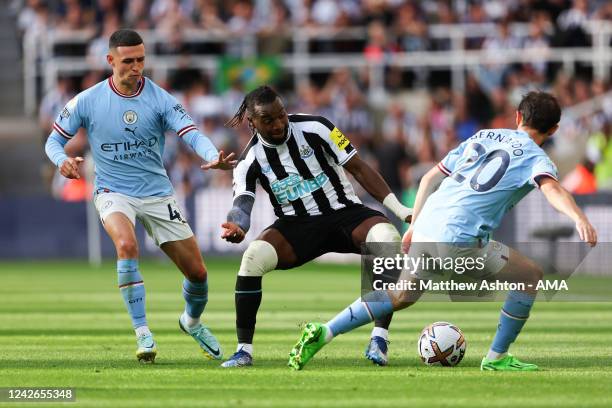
(130, 117)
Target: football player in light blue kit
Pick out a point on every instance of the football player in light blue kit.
(126, 117)
(481, 180)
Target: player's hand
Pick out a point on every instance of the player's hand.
(407, 240)
(222, 162)
(586, 232)
(70, 167)
(232, 232)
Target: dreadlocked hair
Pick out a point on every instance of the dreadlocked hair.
(259, 96)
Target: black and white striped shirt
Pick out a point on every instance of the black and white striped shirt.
(304, 175)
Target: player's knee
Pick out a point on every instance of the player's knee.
(383, 240)
(127, 248)
(196, 272)
(259, 258)
(383, 232)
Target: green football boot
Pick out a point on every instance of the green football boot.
(508, 363)
(311, 341)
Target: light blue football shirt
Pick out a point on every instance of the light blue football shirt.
(488, 174)
(126, 135)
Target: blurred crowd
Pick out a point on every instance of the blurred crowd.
(407, 21)
(421, 117)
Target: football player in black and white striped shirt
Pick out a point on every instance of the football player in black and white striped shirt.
(299, 160)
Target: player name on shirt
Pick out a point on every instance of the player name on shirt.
(502, 138)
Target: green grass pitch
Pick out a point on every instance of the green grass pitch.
(63, 324)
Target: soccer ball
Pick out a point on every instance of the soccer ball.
(442, 343)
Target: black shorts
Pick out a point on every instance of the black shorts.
(315, 235)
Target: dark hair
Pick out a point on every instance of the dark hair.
(540, 110)
(124, 38)
(259, 96)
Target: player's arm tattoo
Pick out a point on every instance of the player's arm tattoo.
(240, 214)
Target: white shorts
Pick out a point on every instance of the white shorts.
(486, 261)
(161, 216)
